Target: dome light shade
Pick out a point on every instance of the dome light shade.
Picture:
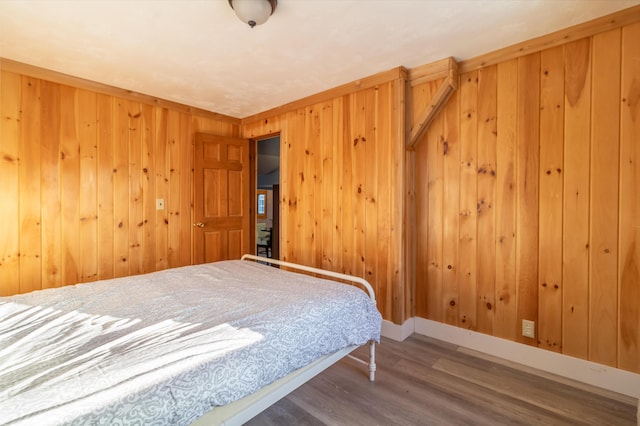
(253, 12)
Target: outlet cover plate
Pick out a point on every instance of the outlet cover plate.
(528, 328)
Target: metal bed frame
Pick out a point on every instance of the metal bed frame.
(246, 408)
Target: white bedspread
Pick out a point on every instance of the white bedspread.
(166, 347)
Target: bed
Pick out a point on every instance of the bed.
(212, 344)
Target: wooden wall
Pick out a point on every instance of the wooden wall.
(341, 184)
(80, 172)
(528, 200)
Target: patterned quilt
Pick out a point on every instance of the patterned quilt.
(166, 347)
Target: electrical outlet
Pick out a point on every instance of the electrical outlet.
(159, 204)
(529, 329)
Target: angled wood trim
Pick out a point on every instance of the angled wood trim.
(432, 71)
(576, 32)
(336, 92)
(69, 80)
(448, 86)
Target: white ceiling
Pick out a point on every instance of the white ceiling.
(198, 53)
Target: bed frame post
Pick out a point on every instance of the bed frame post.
(372, 360)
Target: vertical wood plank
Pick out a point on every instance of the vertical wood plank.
(136, 208)
(358, 168)
(468, 199)
(162, 188)
(284, 190)
(327, 185)
(50, 174)
(173, 202)
(338, 185)
(575, 237)
(104, 106)
(291, 228)
(550, 220)
(505, 321)
(629, 258)
(347, 184)
(317, 188)
(121, 189)
(10, 114)
(527, 153)
(148, 140)
(298, 216)
(402, 281)
(70, 185)
(370, 189)
(603, 261)
(87, 134)
(435, 196)
(308, 182)
(485, 205)
(29, 187)
(451, 213)
(425, 292)
(384, 144)
(186, 191)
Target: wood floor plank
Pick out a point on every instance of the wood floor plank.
(423, 381)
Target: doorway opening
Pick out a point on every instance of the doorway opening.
(267, 197)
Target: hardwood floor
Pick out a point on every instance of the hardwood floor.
(423, 381)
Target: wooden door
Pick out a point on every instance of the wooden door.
(221, 198)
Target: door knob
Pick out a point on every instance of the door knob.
(199, 224)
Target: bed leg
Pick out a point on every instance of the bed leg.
(372, 360)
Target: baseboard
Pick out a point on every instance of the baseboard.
(398, 332)
(613, 379)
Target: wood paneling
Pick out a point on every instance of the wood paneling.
(546, 201)
(341, 165)
(486, 188)
(575, 236)
(604, 198)
(629, 241)
(467, 230)
(506, 306)
(550, 219)
(11, 89)
(80, 173)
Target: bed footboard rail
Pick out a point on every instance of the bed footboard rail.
(338, 275)
(350, 278)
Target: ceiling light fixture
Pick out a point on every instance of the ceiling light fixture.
(253, 12)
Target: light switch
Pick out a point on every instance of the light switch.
(159, 203)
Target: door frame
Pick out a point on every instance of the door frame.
(253, 161)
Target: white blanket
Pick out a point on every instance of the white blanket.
(166, 347)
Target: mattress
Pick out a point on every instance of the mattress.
(166, 347)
